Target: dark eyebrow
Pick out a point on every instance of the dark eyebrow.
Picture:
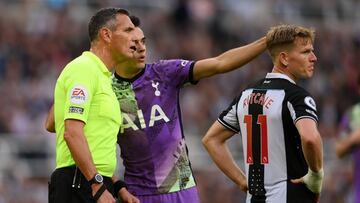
(129, 29)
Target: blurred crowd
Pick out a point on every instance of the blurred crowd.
(38, 37)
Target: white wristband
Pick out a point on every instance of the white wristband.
(313, 180)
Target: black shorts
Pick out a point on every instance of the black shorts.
(299, 193)
(64, 187)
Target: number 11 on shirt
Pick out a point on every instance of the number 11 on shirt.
(262, 121)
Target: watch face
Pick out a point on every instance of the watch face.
(98, 178)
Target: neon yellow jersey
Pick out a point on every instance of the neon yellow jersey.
(83, 92)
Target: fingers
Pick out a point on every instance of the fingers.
(243, 188)
(130, 199)
(133, 200)
(297, 181)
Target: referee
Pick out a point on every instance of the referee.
(87, 114)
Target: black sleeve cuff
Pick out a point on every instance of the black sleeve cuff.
(191, 74)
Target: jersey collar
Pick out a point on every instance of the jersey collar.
(98, 61)
(279, 75)
(131, 79)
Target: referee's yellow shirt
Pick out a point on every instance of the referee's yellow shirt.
(83, 92)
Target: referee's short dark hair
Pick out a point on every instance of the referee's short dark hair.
(102, 18)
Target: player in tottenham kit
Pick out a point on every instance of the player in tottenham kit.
(277, 120)
(157, 167)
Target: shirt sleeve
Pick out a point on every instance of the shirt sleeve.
(178, 71)
(79, 90)
(228, 118)
(302, 105)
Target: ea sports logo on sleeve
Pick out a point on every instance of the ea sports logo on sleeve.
(78, 95)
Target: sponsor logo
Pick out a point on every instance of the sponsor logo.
(74, 109)
(309, 101)
(78, 95)
(138, 122)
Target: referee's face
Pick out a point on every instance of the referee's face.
(301, 59)
(121, 45)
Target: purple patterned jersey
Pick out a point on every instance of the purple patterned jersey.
(350, 122)
(151, 140)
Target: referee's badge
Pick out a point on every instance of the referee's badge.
(78, 95)
(309, 101)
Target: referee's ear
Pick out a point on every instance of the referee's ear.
(105, 34)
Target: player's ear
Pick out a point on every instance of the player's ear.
(105, 34)
(283, 58)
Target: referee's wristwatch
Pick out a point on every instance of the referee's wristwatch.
(97, 179)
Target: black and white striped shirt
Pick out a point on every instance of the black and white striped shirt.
(265, 115)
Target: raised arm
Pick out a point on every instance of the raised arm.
(229, 60)
(346, 145)
(50, 120)
(215, 143)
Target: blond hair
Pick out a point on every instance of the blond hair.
(282, 37)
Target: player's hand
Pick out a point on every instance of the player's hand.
(243, 185)
(313, 181)
(126, 197)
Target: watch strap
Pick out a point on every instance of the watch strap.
(100, 191)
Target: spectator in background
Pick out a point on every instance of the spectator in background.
(278, 123)
(350, 141)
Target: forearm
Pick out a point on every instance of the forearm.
(228, 61)
(222, 157)
(345, 146)
(78, 146)
(238, 57)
